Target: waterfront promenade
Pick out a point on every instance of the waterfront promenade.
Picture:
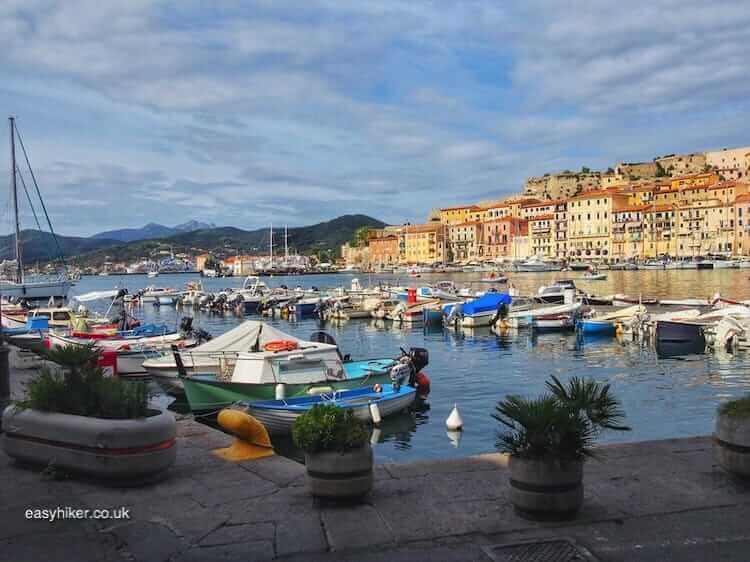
(659, 500)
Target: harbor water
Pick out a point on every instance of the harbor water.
(663, 397)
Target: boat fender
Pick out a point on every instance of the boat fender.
(280, 391)
(422, 384)
(377, 388)
(124, 347)
(375, 413)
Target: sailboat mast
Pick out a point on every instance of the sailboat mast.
(270, 248)
(286, 244)
(14, 189)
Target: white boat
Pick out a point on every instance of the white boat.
(152, 274)
(594, 276)
(535, 264)
(743, 263)
(557, 292)
(725, 264)
(161, 294)
(529, 317)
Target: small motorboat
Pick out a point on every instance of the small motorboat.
(494, 278)
(278, 416)
(556, 292)
(482, 311)
(594, 275)
(592, 326)
(551, 316)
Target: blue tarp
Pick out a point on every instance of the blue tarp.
(485, 303)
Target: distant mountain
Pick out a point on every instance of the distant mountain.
(40, 246)
(151, 230)
(193, 225)
(229, 240)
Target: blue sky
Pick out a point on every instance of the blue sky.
(249, 113)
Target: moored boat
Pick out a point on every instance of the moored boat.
(278, 415)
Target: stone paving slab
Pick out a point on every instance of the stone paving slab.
(659, 500)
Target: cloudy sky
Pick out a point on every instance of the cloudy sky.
(296, 112)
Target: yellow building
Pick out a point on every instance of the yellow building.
(589, 219)
(422, 243)
(542, 234)
(627, 232)
(696, 180)
(742, 225)
(660, 231)
(459, 214)
(465, 241)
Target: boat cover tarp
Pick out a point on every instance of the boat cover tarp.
(243, 338)
(97, 295)
(486, 303)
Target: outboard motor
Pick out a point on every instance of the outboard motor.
(324, 337)
(420, 358)
(501, 313)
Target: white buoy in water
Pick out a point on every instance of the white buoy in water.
(454, 421)
(375, 413)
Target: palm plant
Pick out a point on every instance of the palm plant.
(562, 424)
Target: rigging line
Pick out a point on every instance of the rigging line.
(33, 211)
(39, 194)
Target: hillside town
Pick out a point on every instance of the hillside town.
(676, 207)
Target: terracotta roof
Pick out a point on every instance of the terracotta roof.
(631, 209)
(660, 208)
(417, 228)
(744, 198)
(593, 194)
(690, 176)
(459, 207)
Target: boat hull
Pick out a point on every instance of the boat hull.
(280, 421)
(205, 395)
(596, 327)
(36, 291)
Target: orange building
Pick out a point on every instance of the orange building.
(498, 235)
(384, 250)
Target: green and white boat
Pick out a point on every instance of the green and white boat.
(307, 368)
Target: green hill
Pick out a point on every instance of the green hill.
(329, 235)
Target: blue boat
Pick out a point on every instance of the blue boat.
(478, 312)
(589, 326)
(278, 415)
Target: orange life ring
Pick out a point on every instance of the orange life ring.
(281, 345)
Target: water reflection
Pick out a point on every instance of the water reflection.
(663, 395)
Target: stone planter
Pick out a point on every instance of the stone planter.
(544, 489)
(104, 448)
(732, 444)
(340, 475)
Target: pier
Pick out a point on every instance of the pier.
(657, 500)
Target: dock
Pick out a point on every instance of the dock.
(649, 501)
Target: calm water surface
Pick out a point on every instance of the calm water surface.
(673, 397)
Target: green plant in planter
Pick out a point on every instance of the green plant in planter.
(562, 424)
(328, 428)
(737, 408)
(80, 388)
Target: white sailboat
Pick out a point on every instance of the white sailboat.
(19, 287)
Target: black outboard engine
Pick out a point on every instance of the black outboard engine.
(201, 335)
(186, 324)
(420, 358)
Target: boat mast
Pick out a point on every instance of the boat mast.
(14, 189)
(286, 246)
(270, 249)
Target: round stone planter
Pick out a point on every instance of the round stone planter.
(732, 444)
(546, 490)
(104, 448)
(340, 475)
